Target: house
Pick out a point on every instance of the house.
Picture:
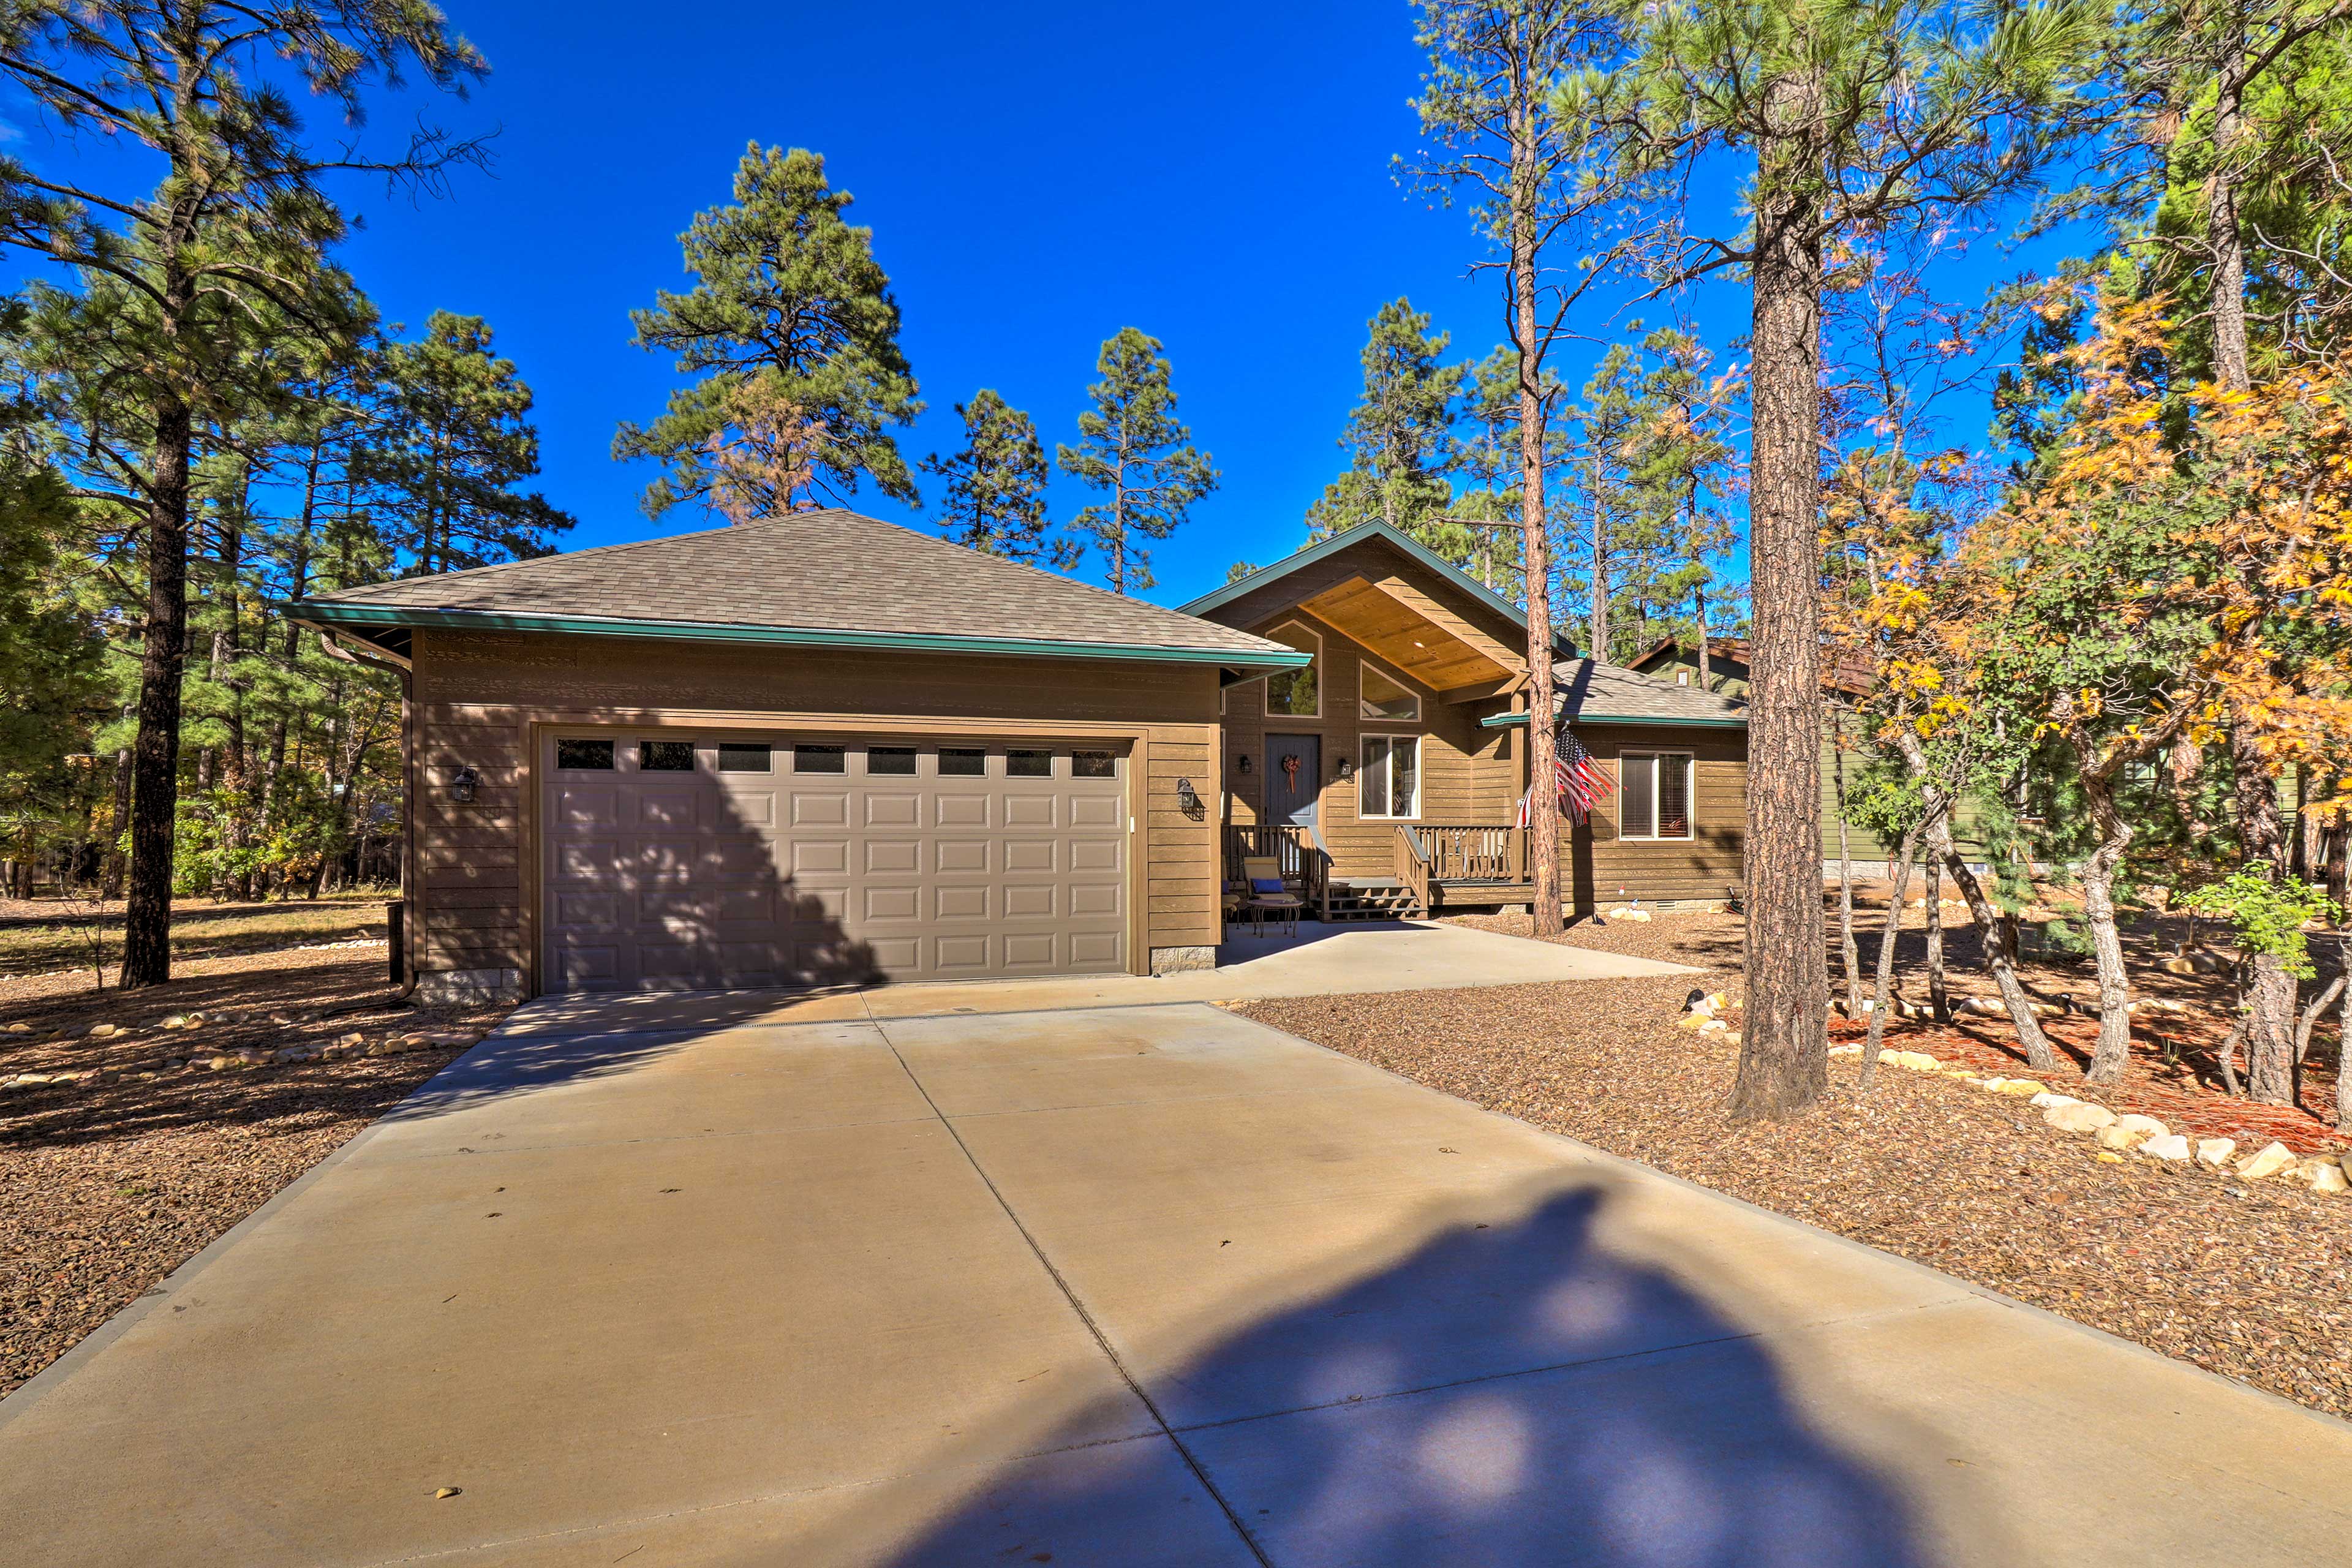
(822, 748)
(1399, 755)
(1846, 682)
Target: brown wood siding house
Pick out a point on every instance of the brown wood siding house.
(1381, 614)
(822, 749)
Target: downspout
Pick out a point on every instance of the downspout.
(405, 672)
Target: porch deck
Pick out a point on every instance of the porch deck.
(1434, 865)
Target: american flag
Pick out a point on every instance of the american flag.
(1582, 781)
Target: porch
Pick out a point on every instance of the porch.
(1432, 866)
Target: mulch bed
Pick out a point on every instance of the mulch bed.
(105, 1188)
(2245, 1278)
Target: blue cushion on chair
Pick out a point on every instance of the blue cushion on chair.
(1265, 885)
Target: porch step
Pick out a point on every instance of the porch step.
(1374, 902)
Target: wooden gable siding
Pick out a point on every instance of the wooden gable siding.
(1467, 771)
(1376, 561)
(478, 695)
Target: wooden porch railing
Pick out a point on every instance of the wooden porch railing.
(1292, 848)
(1475, 852)
(1413, 860)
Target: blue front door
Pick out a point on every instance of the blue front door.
(1294, 773)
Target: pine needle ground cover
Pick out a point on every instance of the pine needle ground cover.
(2243, 1278)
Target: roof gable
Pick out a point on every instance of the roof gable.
(1447, 577)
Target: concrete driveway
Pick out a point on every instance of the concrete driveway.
(1120, 1286)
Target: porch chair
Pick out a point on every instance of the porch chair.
(1270, 893)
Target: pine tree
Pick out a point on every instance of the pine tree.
(1401, 436)
(1134, 448)
(1858, 118)
(793, 332)
(996, 486)
(1682, 465)
(184, 285)
(455, 438)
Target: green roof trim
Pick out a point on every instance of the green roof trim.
(1510, 721)
(1340, 541)
(326, 613)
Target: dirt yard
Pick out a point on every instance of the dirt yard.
(46, 936)
(2243, 1278)
(108, 1184)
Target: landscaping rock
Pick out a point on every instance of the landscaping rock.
(2270, 1161)
(2079, 1118)
(2117, 1136)
(2169, 1146)
(1918, 1061)
(1846, 1050)
(2328, 1176)
(174, 1021)
(101, 1031)
(20, 1028)
(2047, 1100)
(353, 1039)
(2146, 1126)
(2215, 1150)
(2019, 1086)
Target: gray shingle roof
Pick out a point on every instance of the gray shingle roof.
(1585, 689)
(827, 569)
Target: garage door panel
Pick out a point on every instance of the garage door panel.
(960, 902)
(676, 879)
(1032, 855)
(893, 856)
(962, 809)
(895, 809)
(1032, 903)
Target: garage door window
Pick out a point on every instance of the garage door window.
(664, 756)
(809, 758)
(742, 757)
(1094, 764)
(585, 756)
(1029, 764)
(962, 763)
(896, 762)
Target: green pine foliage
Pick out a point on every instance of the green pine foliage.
(1134, 450)
(790, 333)
(995, 500)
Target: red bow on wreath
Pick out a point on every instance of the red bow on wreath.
(1290, 769)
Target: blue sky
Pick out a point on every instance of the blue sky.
(1037, 176)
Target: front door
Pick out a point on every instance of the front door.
(1293, 774)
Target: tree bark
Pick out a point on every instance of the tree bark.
(1543, 792)
(2113, 1048)
(1846, 946)
(1939, 1002)
(2232, 365)
(155, 753)
(1883, 993)
(1784, 1050)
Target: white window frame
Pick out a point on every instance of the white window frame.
(1322, 672)
(1626, 760)
(1364, 666)
(1420, 761)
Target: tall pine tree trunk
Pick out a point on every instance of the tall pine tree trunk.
(1543, 792)
(155, 753)
(1784, 1051)
(2113, 1048)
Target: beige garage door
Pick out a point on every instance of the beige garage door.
(701, 861)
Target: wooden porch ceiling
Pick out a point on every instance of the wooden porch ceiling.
(1416, 633)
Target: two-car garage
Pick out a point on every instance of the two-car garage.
(701, 860)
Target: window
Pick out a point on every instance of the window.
(820, 759)
(585, 756)
(1028, 765)
(1389, 781)
(743, 757)
(1094, 764)
(1682, 678)
(1296, 693)
(1378, 697)
(1654, 795)
(664, 756)
(896, 761)
(962, 761)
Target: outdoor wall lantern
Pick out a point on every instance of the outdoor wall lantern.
(1241, 764)
(1187, 796)
(1343, 769)
(461, 785)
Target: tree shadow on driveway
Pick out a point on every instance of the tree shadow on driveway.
(1505, 1394)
